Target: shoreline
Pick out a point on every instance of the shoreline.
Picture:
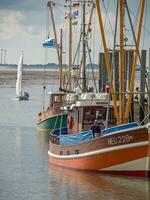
(31, 77)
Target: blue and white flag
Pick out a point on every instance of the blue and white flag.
(76, 13)
(49, 43)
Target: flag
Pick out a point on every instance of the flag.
(76, 5)
(76, 13)
(49, 43)
(74, 23)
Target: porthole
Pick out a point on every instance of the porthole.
(76, 151)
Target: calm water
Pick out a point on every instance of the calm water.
(25, 173)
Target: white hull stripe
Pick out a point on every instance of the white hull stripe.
(49, 117)
(101, 151)
(139, 164)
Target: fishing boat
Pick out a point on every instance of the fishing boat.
(123, 147)
(19, 92)
(52, 116)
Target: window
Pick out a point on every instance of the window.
(76, 151)
(61, 152)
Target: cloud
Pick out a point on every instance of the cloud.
(10, 24)
(22, 4)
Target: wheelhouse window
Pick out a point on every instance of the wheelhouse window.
(92, 113)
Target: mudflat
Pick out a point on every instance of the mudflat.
(8, 77)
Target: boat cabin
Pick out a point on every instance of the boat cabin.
(56, 99)
(89, 106)
(54, 105)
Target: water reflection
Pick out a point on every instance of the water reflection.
(44, 135)
(43, 140)
(86, 185)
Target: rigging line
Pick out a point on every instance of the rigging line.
(144, 23)
(135, 21)
(77, 48)
(69, 78)
(112, 62)
(59, 4)
(146, 30)
(92, 67)
(105, 22)
(58, 10)
(76, 53)
(108, 17)
(136, 43)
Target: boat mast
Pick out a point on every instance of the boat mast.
(83, 49)
(49, 5)
(135, 58)
(70, 42)
(122, 65)
(88, 30)
(107, 60)
(61, 49)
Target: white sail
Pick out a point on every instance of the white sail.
(19, 77)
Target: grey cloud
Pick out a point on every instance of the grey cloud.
(22, 4)
(25, 4)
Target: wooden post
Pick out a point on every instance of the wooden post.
(100, 72)
(104, 73)
(130, 62)
(142, 84)
(116, 74)
(149, 83)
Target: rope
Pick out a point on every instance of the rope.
(145, 118)
(112, 62)
(106, 10)
(144, 23)
(105, 21)
(92, 68)
(136, 20)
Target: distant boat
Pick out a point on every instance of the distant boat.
(19, 94)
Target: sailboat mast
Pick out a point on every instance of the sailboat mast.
(83, 49)
(22, 72)
(122, 65)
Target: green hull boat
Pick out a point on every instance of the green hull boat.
(52, 122)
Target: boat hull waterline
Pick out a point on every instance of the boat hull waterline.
(107, 154)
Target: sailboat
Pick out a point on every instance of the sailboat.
(123, 148)
(19, 92)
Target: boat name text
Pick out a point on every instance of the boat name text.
(120, 139)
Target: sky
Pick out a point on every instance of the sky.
(23, 27)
